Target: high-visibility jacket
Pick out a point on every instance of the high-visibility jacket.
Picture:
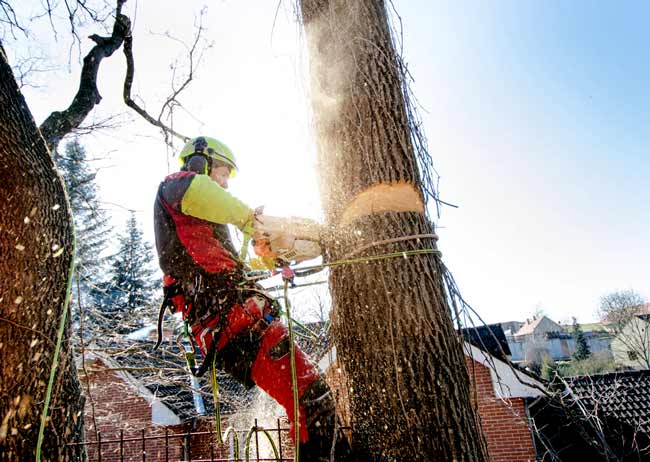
(190, 217)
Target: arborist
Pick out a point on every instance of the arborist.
(232, 320)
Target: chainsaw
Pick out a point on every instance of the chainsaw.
(290, 239)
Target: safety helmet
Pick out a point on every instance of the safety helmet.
(211, 149)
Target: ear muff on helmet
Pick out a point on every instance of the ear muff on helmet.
(210, 148)
(198, 163)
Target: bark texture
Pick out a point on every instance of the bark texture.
(409, 388)
(36, 248)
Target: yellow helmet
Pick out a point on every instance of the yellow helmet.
(211, 149)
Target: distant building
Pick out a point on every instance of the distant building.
(631, 346)
(539, 336)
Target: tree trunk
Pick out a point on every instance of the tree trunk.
(409, 387)
(36, 245)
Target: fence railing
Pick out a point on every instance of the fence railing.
(160, 444)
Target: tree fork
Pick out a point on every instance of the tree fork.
(59, 123)
(409, 388)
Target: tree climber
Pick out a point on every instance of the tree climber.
(233, 321)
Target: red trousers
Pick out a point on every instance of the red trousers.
(271, 368)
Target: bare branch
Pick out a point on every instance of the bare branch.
(25, 68)
(166, 111)
(9, 17)
(59, 124)
(128, 100)
(111, 122)
(172, 99)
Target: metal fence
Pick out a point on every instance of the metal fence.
(256, 444)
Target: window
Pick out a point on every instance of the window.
(632, 355)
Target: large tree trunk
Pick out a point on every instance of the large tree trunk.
(409, 388)
(36, 245)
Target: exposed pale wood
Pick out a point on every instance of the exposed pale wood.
(396, 197)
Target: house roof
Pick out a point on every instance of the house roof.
(529, 326)
(508, 380)
(163, 372)
(624, 396)
(510, 327)
(489, 338)
(643, 309)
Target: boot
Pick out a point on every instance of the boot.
(320, 412)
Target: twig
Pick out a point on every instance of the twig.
(172, 100)
(83, 360)
(20, 326)
(60, 123)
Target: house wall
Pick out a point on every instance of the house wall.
(559, 349)
(504, 423)
(632, 346)
(116, 406)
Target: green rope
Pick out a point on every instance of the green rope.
(243, 252)
(352, 261)
(57, 351)
(235, 441)
(384, 256)
(221, 438)
(294, 375)
(312, 335)
(268, 437)
(215, 398)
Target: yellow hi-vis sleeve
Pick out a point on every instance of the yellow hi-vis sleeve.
(206, 200)
(262, 263)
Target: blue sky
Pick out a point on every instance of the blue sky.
(537, 116)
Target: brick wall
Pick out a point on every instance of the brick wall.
(121, 414)
(504, 423)
(118, 407)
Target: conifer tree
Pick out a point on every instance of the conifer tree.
(90, 221)
(582, 350)
(132, 284)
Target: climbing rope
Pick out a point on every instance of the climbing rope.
(294, 375)
(393, 240)
(385, 256)
(223, 437)
(351, 261)
(265, 432)
(57, 351)
(290, 321)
